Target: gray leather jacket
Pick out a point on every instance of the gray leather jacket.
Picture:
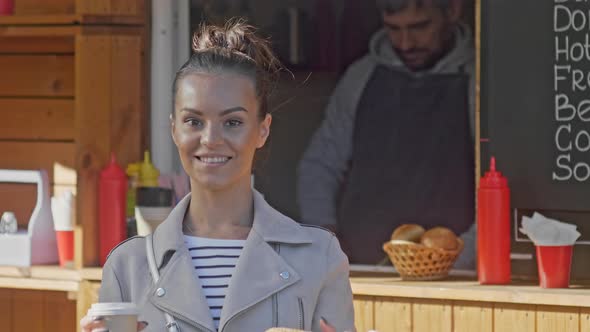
(288, 275)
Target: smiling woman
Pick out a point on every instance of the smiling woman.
(225, 260)
(217, 129)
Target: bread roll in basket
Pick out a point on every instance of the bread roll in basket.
(431, 259)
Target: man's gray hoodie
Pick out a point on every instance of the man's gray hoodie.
(326, 161)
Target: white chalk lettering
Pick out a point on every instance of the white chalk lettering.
(564, 111)
(563, 166)
(583, 141)
(575, 50)
(560, 147)
(564, 19)
(557, 75)
(581, 168)
(583, 110)
(571, 83)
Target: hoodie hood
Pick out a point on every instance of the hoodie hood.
(381, 52)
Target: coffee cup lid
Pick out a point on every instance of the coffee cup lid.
(113, 308)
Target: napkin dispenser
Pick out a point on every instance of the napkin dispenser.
(36, 244)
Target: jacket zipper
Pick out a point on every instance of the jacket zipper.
(275, 297)
(301, 316)
(275, 311)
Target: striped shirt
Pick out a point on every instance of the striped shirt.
(214, 261)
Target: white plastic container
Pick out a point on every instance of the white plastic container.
(37, 244)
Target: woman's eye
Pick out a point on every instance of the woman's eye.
(233, 123)
(193, 122)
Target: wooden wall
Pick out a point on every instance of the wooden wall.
(36, 311)
(37, 113)
(426, 315)
(70, 95)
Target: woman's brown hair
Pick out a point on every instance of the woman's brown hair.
(236, 48)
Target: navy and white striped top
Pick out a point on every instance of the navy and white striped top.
(214, 261)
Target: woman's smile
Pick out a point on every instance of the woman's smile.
(211, 160)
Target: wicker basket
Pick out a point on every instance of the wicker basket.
(417, 262)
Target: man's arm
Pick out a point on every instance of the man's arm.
(324, 164)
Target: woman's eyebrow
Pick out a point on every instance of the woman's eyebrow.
(191, 110)
(234, 109)
(223, 113)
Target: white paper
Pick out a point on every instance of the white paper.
(545, 231)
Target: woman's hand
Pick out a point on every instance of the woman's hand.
(325, 326)
(89, 324)
(96, 324)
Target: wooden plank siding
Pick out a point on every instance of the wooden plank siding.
(516, 317)
(93, 141)
(111, 7)
(72, 91)
(364, 309)
(428, 315)
(36, 311)
(36, 45)
(432, 315)
(37, 76)
(472, 316)
(127, 101)
(37, 119)
(398, 315)
(93, 7)
(36, 155)
(36, 7)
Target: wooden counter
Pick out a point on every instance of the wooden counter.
(382, 301)
(51, 278)
(386, 303)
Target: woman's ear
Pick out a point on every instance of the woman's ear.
(264, 130)
(173, 129)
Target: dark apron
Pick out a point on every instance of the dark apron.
(412, 161)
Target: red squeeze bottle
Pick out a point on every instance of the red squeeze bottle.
(112, 206)
(493, 228)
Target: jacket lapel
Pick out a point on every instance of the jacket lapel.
(261, 271)
(183, 297)
(257, 276)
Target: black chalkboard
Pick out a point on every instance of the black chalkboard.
(529, 79)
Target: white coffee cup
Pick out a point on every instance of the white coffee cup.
(117, 316)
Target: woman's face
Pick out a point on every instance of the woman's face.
(217, 129)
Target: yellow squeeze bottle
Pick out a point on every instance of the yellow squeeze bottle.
(148, 173)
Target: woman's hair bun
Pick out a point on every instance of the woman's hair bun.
(236, 36)
(238, 42)
(235, 47)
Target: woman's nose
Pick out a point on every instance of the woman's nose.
(211, 135)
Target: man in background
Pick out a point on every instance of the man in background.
(396, 145)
